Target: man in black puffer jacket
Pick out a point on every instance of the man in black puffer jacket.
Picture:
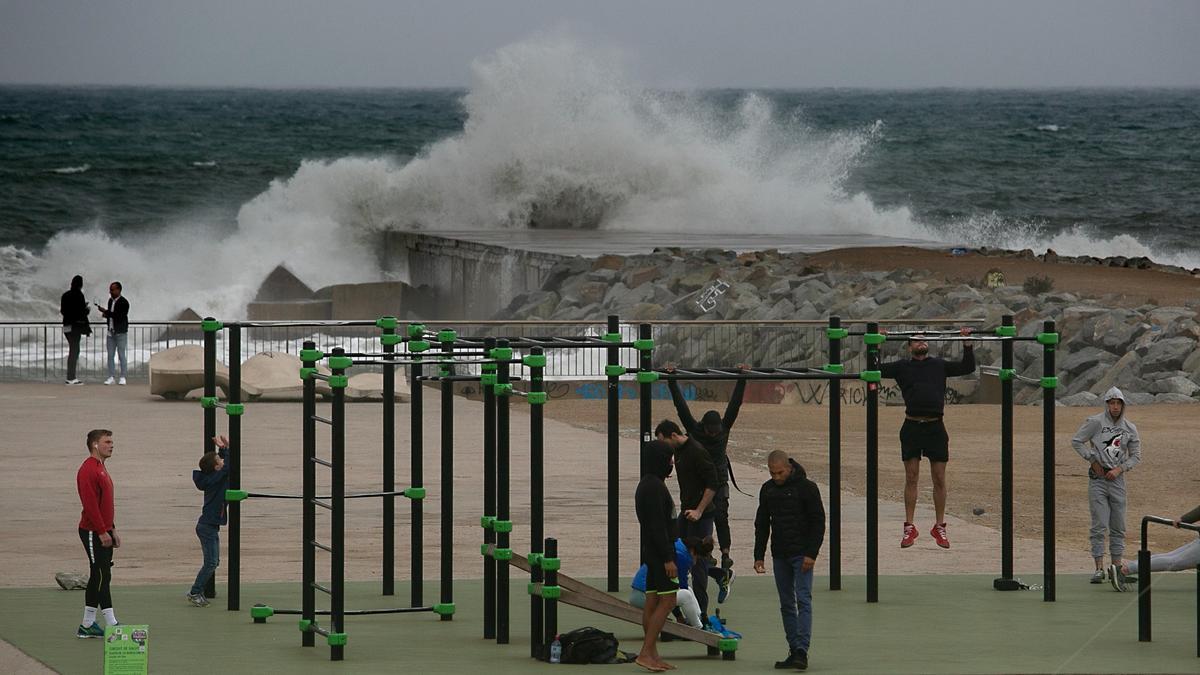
(791, 515)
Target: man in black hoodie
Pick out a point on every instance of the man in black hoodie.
(712, 433)
(791, 515)
(922, 381)
(656, 516)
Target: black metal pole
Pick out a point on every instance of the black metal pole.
(503, 515)
(835, 334)
(646, 376)
(1049, 382)
(1144, 586)
(537, 398)
(388, 339)
(873, 469)
(1006, 451)
(234, 412)
(210, 326)
(551, 603)
(614, 454)
(488, 385)
(447, 582)
(308, 359)
(416, 442)
(337, 607)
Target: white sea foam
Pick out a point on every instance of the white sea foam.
(557, 135)
(72, 169)
(209, 163)
(1048, 127)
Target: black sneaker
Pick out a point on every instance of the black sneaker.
(801, 659)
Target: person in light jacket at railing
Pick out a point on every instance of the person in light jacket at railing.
(74, 309)
(1111, 446)
(117, 315)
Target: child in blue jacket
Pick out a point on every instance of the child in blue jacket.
(685, 599)
(213, 478)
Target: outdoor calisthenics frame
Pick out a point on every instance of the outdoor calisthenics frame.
(1144, 579)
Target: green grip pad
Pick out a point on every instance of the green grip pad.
(311, 354)
(235, 409)
(416, 330)
(874, 338)
(305, 625)
(727, 644)
(483, 549)
(551, 592)
(235, 495)
(536, 397)
(418, 346)
(870, 376)
(1006, 331)
(487, 368)
(535, 361)
(211, 325)
(503, 526)
(1049, 382)
(1047, 338)
(444, 609)
(390, 339)
(611, 337)
(488, 379)
(551, 564)
(501, 353)
(338, 381)
(615, 371)
(414, 492)
(647, 378)
(386, 322)
(643, 345)
(837, 333)
(502, 389)
(838, 368)
(487, 522)
(1006, 374)
(340, 362)
(336, 639)
(447, 336)
(306, 373)
(535, 559)
(208, 402)
(261, 612)
(503, 554)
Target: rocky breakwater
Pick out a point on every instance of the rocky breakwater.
(1148, 351)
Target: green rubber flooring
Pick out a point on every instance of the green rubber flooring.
(935, 624)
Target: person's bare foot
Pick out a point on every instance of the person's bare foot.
(648, 664)
(666, 666)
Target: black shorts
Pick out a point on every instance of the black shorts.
(657, 581)
(924, 438)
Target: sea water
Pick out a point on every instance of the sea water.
(191, 196)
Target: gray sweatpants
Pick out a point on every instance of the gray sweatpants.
(1106, 501)
(1184, 558)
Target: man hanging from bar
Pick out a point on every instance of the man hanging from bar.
(922, 380)
(712, 432)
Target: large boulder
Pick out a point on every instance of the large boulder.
(276, 375)
(176, 371)
(369, 387)
(1168, 354)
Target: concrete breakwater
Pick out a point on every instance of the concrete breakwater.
(1148, 351)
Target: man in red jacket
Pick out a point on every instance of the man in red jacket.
(97, 532)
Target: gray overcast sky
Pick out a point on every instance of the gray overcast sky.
(671, 43)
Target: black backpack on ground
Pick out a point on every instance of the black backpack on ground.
(588, 645)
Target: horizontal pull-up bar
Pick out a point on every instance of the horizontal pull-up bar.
(754, 374)
(958, 338)
(1146, 520)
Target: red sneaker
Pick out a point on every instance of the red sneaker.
(910, 535)
(939, 535)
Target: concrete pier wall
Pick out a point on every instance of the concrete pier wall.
(459, 279)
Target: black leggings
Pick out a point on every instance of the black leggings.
(99, 570)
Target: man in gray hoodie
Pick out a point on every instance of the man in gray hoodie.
(1110, 444)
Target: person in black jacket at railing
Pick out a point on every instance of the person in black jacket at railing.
(922, 381)
(117, 315)
(74, 309)
(791, 515)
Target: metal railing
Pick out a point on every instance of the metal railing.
(36, 351)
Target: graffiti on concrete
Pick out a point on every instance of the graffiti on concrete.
(708, 297)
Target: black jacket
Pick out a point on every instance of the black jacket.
(791, 515)
(213, 484)
(695, 471)
(74, 310)
(715, 445)
(117, 314)
(656, 515)
(923, 383)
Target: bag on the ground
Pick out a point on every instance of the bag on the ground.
(588, 645)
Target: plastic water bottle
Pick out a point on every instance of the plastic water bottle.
(556, 651)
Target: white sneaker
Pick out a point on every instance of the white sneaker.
(121, 382)
(75, 382)
(109, 381)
